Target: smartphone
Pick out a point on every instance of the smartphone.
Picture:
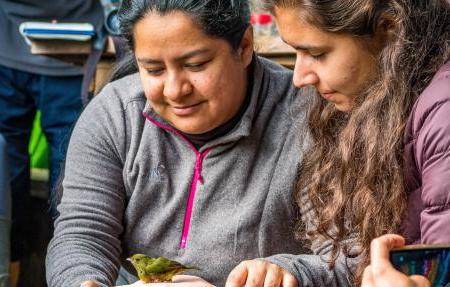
(431, 261)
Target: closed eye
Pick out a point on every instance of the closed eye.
(154, 72)
(196, 66)
(318, 56)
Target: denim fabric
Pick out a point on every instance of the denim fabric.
(58, 99)
(125, 278)
(5, 215)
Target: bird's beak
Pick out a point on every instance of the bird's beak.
(129, 259)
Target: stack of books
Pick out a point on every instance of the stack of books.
(56, 31)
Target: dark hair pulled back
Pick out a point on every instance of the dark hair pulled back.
(224, 19)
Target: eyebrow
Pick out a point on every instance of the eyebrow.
(178, 59)
(301, 47)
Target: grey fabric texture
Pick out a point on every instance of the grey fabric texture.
(15, 53)
(127, 182)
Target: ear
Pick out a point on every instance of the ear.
(384, 32)
(386, 27)
(245, 49)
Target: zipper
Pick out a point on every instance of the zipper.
(190, 204)
(197, 178)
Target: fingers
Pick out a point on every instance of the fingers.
(381, 273)
(238, 276)
(274, 276)
(420, 281)
(413, 281)
(258, 273)
(379, 252)
(289, 280)
(185, 278)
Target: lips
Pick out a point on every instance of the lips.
(328, 95)
(186, 110)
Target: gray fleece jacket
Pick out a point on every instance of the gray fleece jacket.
(134, 185)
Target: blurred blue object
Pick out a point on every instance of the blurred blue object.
(110, 9)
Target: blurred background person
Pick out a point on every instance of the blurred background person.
(5, 215)
(29, 83)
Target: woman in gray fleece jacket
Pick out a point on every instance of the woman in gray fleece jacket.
(193, 158)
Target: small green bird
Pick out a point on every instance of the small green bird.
(158, 269)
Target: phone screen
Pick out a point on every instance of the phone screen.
(430, 261)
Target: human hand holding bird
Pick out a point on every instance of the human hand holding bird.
(153, 270)
(160, 272)
(177, 281)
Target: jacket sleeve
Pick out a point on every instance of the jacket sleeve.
(313, 269)
(433, 161)
(86, 244)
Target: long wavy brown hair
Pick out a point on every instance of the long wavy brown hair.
(354, 172)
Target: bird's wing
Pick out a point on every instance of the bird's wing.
(162, 265)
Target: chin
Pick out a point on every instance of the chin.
(193, 130)
(345, 108)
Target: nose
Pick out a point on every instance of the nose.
(176, 86)
(304, 74)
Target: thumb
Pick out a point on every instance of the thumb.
(89, 284)
(420, 281)
(379, 252)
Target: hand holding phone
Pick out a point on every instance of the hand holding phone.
(381, 273)
(430, 261)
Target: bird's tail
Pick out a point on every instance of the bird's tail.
(187, 267)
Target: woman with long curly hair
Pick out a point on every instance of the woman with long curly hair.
(379, 160)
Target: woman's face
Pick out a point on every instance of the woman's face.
(194, 81)
(339, 66)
